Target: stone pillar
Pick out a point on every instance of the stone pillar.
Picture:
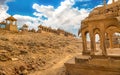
(104, 52)
(110, 41)
(92, 38)
(84, 43)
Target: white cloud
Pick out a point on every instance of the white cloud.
(64, 16)
(110, 1)
(48, 10)
(32, 22)
(3, 10)
(4, 1)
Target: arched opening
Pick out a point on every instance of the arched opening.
(98, 50)
(114, 44)
(113, 40)
(88, 41)
(116, 40)
(2, 25)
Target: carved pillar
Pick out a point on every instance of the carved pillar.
(84, 43)
(92, 38)
(110, 40)
(104, 52)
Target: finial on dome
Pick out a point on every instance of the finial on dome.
(104, 2)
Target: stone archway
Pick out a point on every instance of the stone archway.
(110, 31)
(98, 43)
(116, 40)
(86, 43)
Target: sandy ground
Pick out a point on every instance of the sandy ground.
(59, 69)
(43, 55)
(20, 54)
(56, 69)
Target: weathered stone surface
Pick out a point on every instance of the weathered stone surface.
(10, 24)
(99, 65)
(104, 22)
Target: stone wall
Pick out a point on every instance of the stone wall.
(94, 66)
(45, 29)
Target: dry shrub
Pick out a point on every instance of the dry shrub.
(4, 57)
(3, 38)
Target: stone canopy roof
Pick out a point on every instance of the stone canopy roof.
(11, 18)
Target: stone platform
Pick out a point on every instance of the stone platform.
(93, 65)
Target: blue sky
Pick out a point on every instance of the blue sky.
(64, 14)
(24, 7)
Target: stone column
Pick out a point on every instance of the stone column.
(104, 52)
(84, 43)
(110, 40)
(92, 38)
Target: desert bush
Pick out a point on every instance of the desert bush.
(4, 38)
(20, 70)
(6, 47)
(31, 43)
(23, 52)
(43, 44)
(3, 57)
(19, 42)
(9, 48)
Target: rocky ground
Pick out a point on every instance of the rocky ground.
(35, 53)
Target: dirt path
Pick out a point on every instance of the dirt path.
(56, 69)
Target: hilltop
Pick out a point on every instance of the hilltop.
(28, 52)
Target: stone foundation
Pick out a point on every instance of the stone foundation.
(93, 65)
